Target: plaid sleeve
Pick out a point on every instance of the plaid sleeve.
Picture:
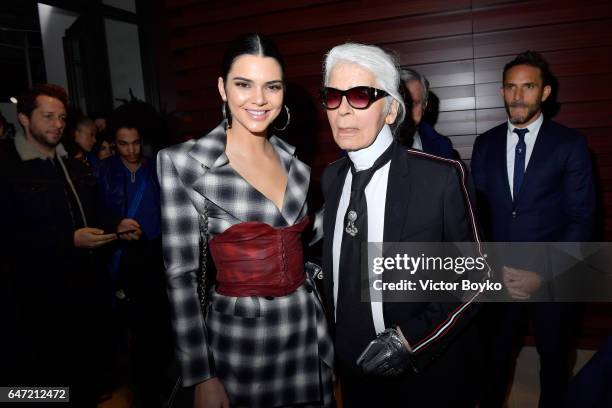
(181, 245)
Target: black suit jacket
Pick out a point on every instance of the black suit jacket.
(427, 201)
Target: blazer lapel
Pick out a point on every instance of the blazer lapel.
(209, 152)
(500, 162)
(398, 191)
(397, 213)
(208, 148)
(541, 150)
(298, 179)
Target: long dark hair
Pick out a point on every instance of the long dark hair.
(250, 44)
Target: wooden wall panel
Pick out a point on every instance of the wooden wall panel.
(461, 45)
(457, 123)
(583, 61)
(571, 89)
(599, 139)
(313, 18)
(455, 98)
(455, 73)
(586, 115)
(430, 51)
(538, 13)
(201, 13)
(379, 32)
(543, 38)
(485, 3)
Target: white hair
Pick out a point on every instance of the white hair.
(380, 63)
(407, 74)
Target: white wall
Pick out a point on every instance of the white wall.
(53, 24)
(122, 42)
(124, 59)
(9, 111)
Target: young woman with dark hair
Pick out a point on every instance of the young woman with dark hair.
(240, 193)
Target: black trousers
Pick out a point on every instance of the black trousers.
(454, 379)
(591, 386)
(57, 346)
(144, 319)
(555, 326)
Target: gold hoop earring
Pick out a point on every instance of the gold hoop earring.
(227, 115)
(288, 120)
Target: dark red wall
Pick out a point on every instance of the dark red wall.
(461, 45)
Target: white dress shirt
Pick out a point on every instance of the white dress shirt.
(376, 194)
(512, 140)
(417, 144)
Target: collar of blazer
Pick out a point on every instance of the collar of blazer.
(209, 151)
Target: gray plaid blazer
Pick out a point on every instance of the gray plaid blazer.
(246, 342)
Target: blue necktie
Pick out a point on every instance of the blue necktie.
(519, 161)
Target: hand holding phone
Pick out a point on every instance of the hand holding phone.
(92, 238)
(129, 229)
(119, 234)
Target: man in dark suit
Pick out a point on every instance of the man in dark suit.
(535, 184)
(419, 134)
(378, 193)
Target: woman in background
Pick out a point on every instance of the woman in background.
(102, 149)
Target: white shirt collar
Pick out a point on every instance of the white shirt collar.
(417, 142)
(534, 127)
(365, 158)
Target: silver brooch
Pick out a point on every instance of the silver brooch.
(351, 229)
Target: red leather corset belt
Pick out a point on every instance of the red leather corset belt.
(256, 259)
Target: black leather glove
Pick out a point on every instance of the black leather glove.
(387, 355)
(313, 269)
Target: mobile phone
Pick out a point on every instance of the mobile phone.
(126, 232)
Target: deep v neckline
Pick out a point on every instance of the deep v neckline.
(261, 193)
(229, 191)
(268, 199)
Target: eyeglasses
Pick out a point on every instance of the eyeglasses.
(359, 97)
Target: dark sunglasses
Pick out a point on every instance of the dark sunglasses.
(359, 97)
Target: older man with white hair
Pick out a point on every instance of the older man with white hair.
(421, 135)
(377, 193)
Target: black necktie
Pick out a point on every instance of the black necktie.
(519, 161)
(354, 326)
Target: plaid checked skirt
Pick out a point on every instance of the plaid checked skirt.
(272, 352)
